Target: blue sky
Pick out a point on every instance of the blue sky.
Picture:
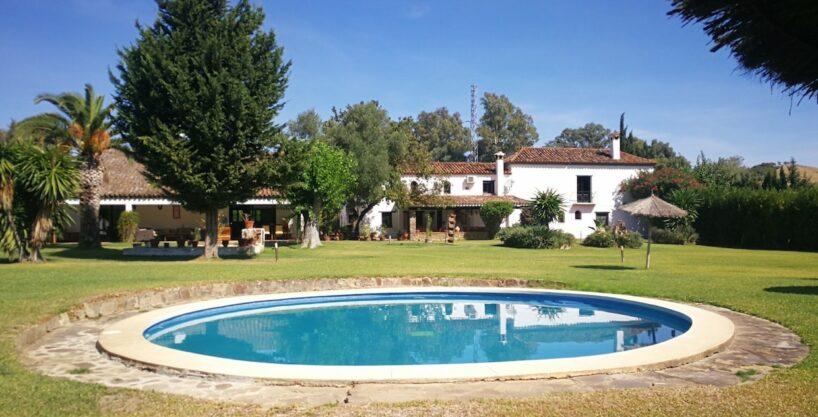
(565, 63)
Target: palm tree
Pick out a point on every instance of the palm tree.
(83, 123)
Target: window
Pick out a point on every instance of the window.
(488, 187)
(583, 189)
(447, 187)
(578, 215)
(386, 219)
(602, 216)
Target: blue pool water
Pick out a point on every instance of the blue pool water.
(419, 328)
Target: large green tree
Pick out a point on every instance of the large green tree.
(307, 125)
(503, 127)
(82, 123)
(381, 149)
(443, 134)
(196, 97)
(323, 186)
(592, 135)
(777, 40)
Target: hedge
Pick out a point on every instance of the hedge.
(764, 219)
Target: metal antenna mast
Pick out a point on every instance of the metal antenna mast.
(473, 122)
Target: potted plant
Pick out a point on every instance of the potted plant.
(248, 221)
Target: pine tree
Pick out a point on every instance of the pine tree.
(196, 97)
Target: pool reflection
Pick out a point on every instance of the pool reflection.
(416, 333)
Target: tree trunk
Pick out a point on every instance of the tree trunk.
(91, 177)
(357, 229)
(647, 258)
(211, 248)
(312, 239)
(39, 233)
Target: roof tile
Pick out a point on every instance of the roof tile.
(574, 156)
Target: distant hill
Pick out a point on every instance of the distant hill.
(811, 173)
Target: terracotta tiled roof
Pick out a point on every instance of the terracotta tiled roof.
(124, 178)
(461, 168)
(477, 200)
(574, 156)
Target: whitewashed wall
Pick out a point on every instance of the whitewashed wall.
(526, 180)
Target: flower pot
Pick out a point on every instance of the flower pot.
(248, 224)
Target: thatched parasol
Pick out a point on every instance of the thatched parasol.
(652, 207)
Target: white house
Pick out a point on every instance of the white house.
(588, 179)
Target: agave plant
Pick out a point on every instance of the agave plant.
(83, 124)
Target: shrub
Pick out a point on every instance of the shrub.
(535, 237)
(630, 240)
(605, 239)
(674, 236)
(127, 225)
(662, 182)
(546, 207)
(492, 213)
(599, 239)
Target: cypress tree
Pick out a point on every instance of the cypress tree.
(196, 97)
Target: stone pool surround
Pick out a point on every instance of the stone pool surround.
(709, 332)
(65, 346)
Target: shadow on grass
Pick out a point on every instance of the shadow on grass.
(106, 254)
(605, 267)
(796, 289)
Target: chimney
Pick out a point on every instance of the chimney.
(615, 153)
(500, 182)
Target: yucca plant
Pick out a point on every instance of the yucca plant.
(82, 124)
(546, 207)
(49, 176)
(9, 237)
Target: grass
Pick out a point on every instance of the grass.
(780, 286)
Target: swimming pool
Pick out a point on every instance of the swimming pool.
(418, 333)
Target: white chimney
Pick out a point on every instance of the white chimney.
(500, 183)
(615, 153)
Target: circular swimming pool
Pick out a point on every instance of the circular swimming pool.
(419, 333)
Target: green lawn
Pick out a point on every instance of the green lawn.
(780, 286)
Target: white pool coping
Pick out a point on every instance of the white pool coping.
(708, 333)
